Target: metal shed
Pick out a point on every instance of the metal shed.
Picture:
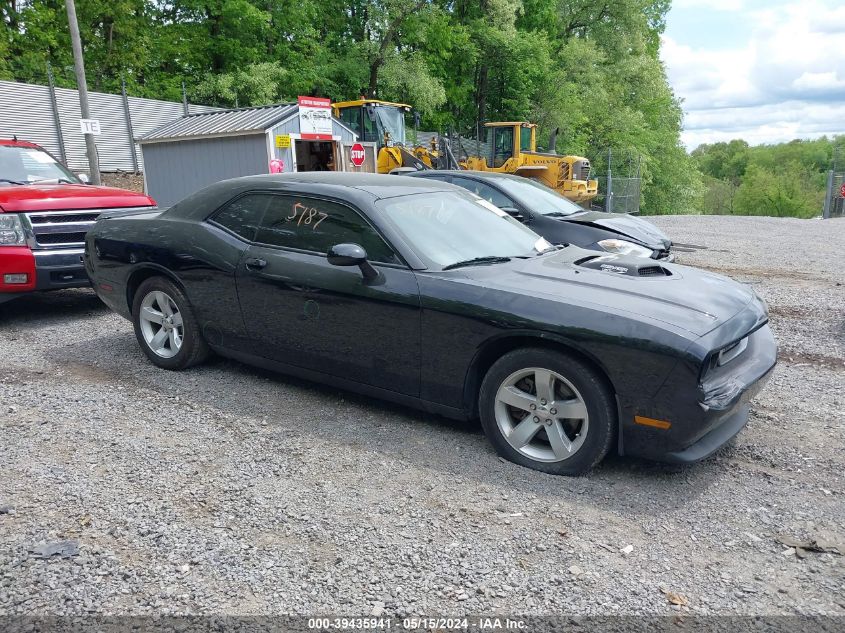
(197, 150)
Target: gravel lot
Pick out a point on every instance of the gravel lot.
(227, 489)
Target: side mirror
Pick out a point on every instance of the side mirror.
(514, 213)
(83, 178)
(351, 255)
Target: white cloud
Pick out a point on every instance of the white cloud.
(710, 5)
(786, 81)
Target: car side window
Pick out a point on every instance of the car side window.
(484, 191)
(317, 225)
(243, 215)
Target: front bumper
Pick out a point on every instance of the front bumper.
(702, 419)
(61, 268)
(46, 270)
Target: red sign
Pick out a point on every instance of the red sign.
(315, 118)
(357, 154)
(842, 190)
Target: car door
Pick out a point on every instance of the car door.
(303, 311)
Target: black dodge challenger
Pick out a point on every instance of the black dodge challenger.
(421, 293)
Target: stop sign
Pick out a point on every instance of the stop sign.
(357, 154)
(842, 190)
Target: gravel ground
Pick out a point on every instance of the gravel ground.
(227, 489)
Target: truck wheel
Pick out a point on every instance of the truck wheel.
(548, 411)
(165, 325)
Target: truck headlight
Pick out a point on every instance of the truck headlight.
(623, 247)
(11, 230)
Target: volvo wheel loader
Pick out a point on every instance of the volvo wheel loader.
(512, 149)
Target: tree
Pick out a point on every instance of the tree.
(786, 193)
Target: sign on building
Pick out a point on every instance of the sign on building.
(90, 126)
(282, 141)
(315, 118)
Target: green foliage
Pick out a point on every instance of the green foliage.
(787, 179)
(789, 193)
(588, 67)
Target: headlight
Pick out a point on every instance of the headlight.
(623, 247)
(11, 230)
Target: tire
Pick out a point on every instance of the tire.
(556, 444)
(167, 345)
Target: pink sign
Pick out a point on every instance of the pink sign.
(277, 166)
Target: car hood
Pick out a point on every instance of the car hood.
(68, 197)
(689, 299)
(627, 226)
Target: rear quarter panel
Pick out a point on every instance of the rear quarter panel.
(201, 258)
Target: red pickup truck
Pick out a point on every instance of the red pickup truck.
(45, 211)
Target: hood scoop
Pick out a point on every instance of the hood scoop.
(626, 266)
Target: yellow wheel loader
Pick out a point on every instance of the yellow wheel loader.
(383, 122)
(512, 149)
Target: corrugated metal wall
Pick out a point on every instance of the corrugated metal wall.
(26, 111)
(179, 168)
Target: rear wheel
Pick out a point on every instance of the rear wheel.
(165, 325)
(548, 411)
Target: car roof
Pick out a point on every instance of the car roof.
(361, 189)
(383, 183)
(480, 175)
(13, 142)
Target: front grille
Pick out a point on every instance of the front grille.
(61, 238)
(67, 228)
(41, 218)
(582, 170)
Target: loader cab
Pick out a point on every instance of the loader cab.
(507, 139)
(380, 122)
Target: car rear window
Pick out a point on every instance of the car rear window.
(243, 216)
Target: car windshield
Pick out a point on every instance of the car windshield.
(538, 197)
(446, 228)
(28, 165)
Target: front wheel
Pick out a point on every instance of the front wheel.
(165, 325)
(548, 411)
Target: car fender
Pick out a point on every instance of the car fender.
(499, 344)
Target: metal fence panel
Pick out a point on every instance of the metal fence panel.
(26, 111)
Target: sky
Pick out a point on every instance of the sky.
(764, 71)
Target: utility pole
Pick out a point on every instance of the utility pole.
(82, 87)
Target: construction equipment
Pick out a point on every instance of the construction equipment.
(512, 149)
(383, 122)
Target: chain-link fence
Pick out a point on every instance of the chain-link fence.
(620, 183)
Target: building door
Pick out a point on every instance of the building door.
(315, 155)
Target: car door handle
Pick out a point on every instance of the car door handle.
(255, 263)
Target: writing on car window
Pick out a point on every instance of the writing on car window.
(306, 215)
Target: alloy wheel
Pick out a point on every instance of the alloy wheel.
(541, 414)
(161, 324)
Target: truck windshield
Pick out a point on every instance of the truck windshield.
(392, 121)
(28, 165)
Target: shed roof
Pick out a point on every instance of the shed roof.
(222, 122)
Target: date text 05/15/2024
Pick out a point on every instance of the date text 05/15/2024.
(415, 623)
